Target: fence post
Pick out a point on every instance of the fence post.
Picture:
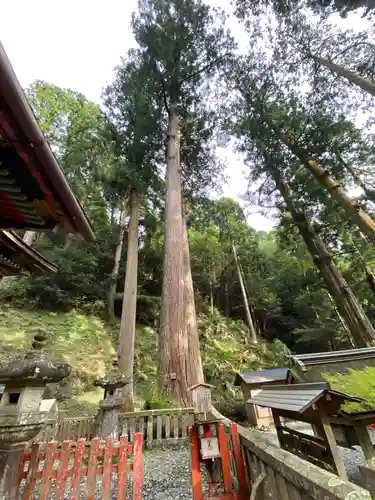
(122, 468)
(238, 458)
(195, 464)
(137, 466)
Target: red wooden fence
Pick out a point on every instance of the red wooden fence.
(230, 464)
(57, 470)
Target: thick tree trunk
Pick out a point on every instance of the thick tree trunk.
(195, 368)
(29, 237)
(346, 302)
(370, 278)
(129, 304)
(117, 261)
(352, 77)
(352, 343)
(352, 209)
(250, 322)
(173, 344)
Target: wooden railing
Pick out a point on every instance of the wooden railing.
(47, 470)
(67, 429)
(277, 474)
(166, 426)
(158, 427)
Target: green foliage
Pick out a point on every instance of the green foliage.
(82, 276)
(285, 9)
(184, 55)
(182, 43)
(360, 383)
(88, 344)
(279, 354)
(81, 340)
(156, 401)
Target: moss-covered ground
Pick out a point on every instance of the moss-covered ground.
(88, 344)
(360, 383)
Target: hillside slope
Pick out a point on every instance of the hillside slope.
(88, 344)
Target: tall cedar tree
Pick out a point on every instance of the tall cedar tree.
(134, 122)
(183, 43)
(277, 116)
(259, 126)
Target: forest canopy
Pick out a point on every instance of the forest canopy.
(145, 164)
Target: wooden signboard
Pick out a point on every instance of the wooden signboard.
(209, 448)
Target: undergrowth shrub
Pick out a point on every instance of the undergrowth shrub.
(360, 383)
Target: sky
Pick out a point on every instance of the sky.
(77, 43)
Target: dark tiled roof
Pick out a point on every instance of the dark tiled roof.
(262, 376)
(34, 193)
(23, 204)
(323, 358)
(16, 257)
(298, 397)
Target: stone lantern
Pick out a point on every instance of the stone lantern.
(21, 420)
(107, 424)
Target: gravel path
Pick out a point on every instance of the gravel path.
(167, 474)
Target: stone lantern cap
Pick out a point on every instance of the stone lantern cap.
(34, 368)
(114, 379)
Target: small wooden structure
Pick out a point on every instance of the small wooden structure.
(274, 473)
(79, 460)
(222, 459)
(16, 257)
(251, 383)
(212, 447)
(310, 367)
(351, 429)
(312, 403)
(201, 398)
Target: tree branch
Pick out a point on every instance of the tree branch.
(205, 68)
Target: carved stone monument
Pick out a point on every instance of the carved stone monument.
(107, 424)
(21, 420)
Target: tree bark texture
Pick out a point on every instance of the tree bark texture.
(250, 322)
(195, 368)
(347, 304)
(352, 343)
(129, 304)
(370, 278)
(352, 209)
(352, 77)
(117, 260)
(173, 344)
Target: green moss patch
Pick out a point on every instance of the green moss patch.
(88, 344)
(360, 383)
